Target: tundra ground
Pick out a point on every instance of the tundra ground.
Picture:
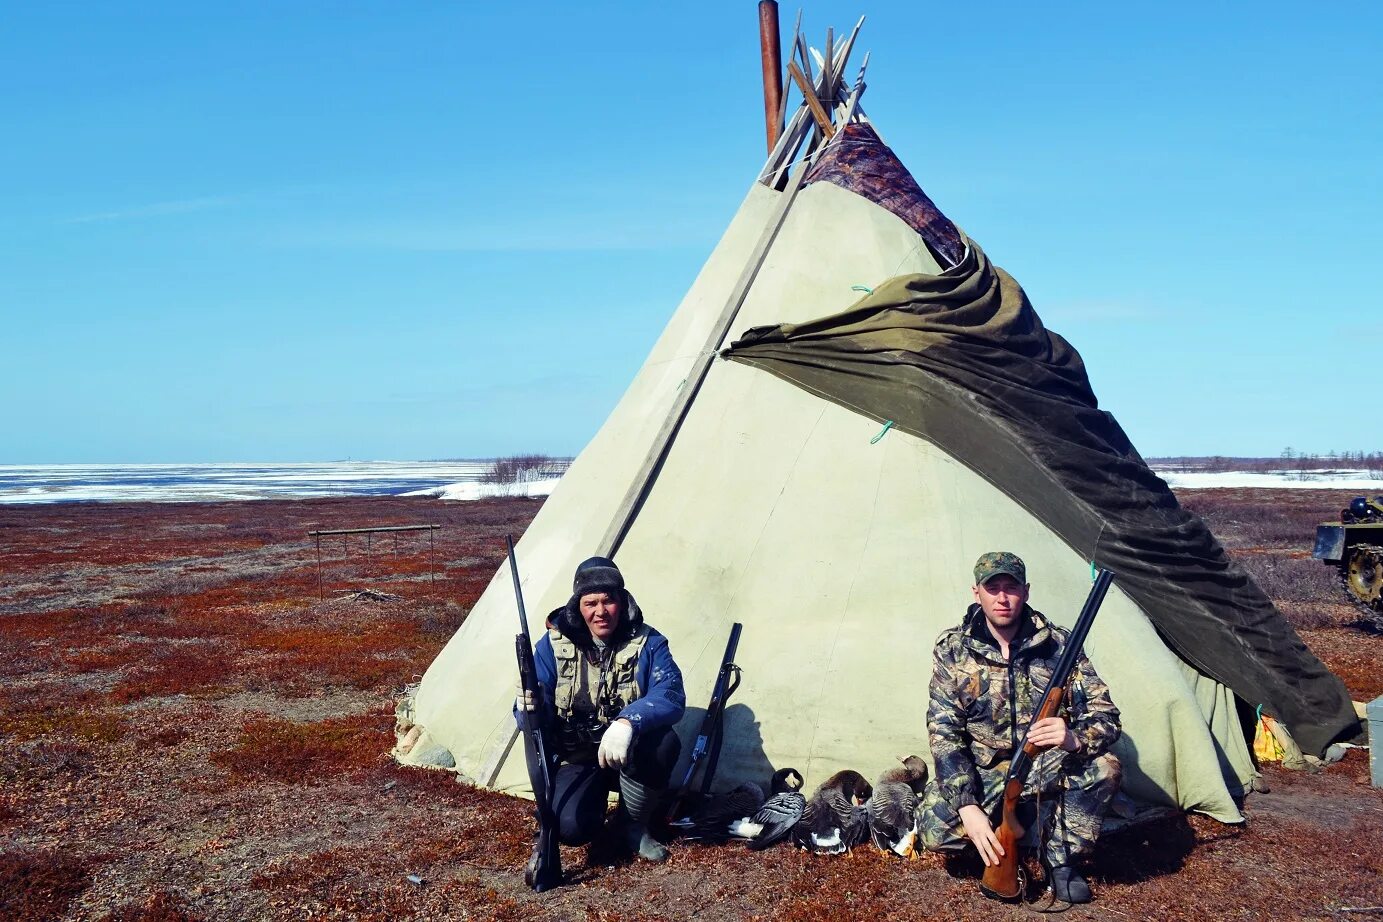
(191, 727)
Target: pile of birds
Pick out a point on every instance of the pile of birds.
(844, 811)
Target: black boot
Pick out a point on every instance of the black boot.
(1067, 884)
(530, 870)
(637, 802)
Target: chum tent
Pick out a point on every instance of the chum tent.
(848, 407)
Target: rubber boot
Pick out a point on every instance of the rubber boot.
(637, 802)
(1068, 885)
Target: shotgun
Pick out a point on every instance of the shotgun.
(708, 739)
(544, 870)
(1004, 881)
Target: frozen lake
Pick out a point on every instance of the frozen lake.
(55, 483)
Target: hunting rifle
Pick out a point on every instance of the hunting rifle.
(709, 736)
(1004, 881)
(544, 870)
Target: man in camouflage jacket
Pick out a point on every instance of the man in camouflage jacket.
(988, 676)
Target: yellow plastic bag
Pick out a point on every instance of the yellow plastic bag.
(1266, 747)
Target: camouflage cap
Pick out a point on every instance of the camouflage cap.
(995, 562)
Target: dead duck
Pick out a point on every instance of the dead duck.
(892, 808)
(717, 817)
(835, 819)
(775, 819)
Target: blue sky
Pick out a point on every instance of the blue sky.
(310, 231)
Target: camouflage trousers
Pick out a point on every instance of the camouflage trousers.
(1064, 804)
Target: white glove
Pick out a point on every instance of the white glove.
(614, 745)
(524, 702)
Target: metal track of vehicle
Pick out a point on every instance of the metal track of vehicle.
(1362, 574)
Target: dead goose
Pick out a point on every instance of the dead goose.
(892, 809)
(779, 813)
(718, 816)
(835, 820)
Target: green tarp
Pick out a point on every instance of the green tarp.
(962, 360)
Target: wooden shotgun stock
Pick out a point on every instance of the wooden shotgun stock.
(1005, 880)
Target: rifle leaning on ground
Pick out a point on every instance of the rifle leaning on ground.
(1005, 880)
(544, 870)
(709, 737)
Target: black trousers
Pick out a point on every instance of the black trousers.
(581, 788)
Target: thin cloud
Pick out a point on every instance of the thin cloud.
(155, 210)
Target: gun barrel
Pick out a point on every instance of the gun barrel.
(731, 646)
(1081, 629)
(1066, 664)
(706, 748)
(518, 592)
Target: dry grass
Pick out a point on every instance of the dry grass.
(1270, 533)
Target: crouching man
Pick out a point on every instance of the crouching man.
(988, 677)
(616, 694)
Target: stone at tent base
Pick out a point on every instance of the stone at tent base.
(408, 740)
(412, 744)
(423, 751)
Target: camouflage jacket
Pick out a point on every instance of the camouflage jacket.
(980, 705)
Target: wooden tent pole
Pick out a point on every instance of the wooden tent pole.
(662, 443)
(771, 53)
(823, 118)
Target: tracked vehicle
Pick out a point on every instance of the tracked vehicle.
(1355, 546)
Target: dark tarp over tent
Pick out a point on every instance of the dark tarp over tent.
(962, 360)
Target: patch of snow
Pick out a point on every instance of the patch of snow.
(1276, 480)
(55, 483)
(470, 490)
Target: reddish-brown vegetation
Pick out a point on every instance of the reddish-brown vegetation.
(57, 713)
(192, 728)
(293, 753)
(39, 885)
(160, 906)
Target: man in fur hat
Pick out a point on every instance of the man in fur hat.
(616, 693)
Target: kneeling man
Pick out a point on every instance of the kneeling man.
(616, 694)
(988, 677)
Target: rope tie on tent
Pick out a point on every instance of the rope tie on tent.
(1095, 551)
(838, 140)
(887, 426)
(864, 288)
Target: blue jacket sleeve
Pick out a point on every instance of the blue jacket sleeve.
(546, 665)
(664, 699)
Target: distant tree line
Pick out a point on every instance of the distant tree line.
(1291, 461)
(525, 468)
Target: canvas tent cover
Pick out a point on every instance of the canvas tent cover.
(845, 554)
(962, 360)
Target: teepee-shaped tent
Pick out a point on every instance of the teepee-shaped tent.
(829, 479)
